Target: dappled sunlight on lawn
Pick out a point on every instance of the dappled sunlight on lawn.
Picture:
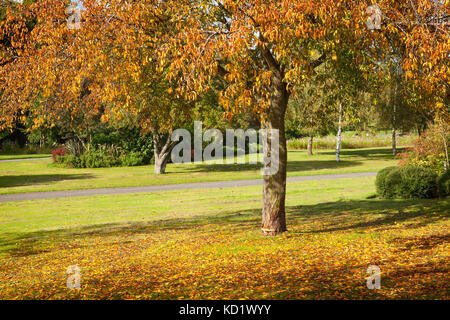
(42, 175)
(324, 255)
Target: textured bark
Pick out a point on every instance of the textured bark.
(310, 146)
(274, 193)
(394, 130)
(394, 141)
(162, 145)
(161, 162)
(339, 135)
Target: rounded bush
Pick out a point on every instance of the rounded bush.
(443, 183)
(407, 183)
(393, 184)
(380, 181)
(417, 183)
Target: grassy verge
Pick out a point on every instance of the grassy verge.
(202, 244)
(36, 176)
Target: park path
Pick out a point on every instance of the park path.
(25, 159)
(185, 186)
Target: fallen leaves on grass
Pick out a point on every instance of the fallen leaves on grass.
(324, 256)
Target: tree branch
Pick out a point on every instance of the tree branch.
(314, 64)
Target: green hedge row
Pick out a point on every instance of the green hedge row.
(411, 183)
(96, 159)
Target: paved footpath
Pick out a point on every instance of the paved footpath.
(25, 159)
(201, 185)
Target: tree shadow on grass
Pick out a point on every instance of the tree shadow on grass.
(298, 166)
(371, 153)
(371, 214)
(293, 166)
(422, 243)
(331, 217)
(27, 180)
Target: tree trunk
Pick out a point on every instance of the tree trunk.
(339, 135)
(394, 141)
(310, 145)
(394, 130)
(443, 134)
(162, 145)
(274, 190)
(161, 162)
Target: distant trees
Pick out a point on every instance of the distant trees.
(106, 70)
(312, 109)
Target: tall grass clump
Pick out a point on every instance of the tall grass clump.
(352, 142)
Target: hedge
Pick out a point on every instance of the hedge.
(407, 183)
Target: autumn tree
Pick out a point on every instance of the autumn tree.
(416, 33)
(16, 23)
(347, 84)
(105, 69)
(311, 108)
(262, 49)
(412, 47)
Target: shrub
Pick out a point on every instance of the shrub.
(380, 182)
(144, 146)
(429, 150)
(69, 160)
(132, 159)
(443, 183)
(393, 184)
(127, 139)
(101, 158)
(407, 183)
(416, 183)
(58, 152)
(12, 147)
(98, 159)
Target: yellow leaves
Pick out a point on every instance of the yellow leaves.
(105, 117)
(186, 49)
(334, 56)
(409, 75)
(324, 257)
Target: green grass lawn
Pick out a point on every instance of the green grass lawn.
(206, 244)
(199, 244)
(36, 176)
